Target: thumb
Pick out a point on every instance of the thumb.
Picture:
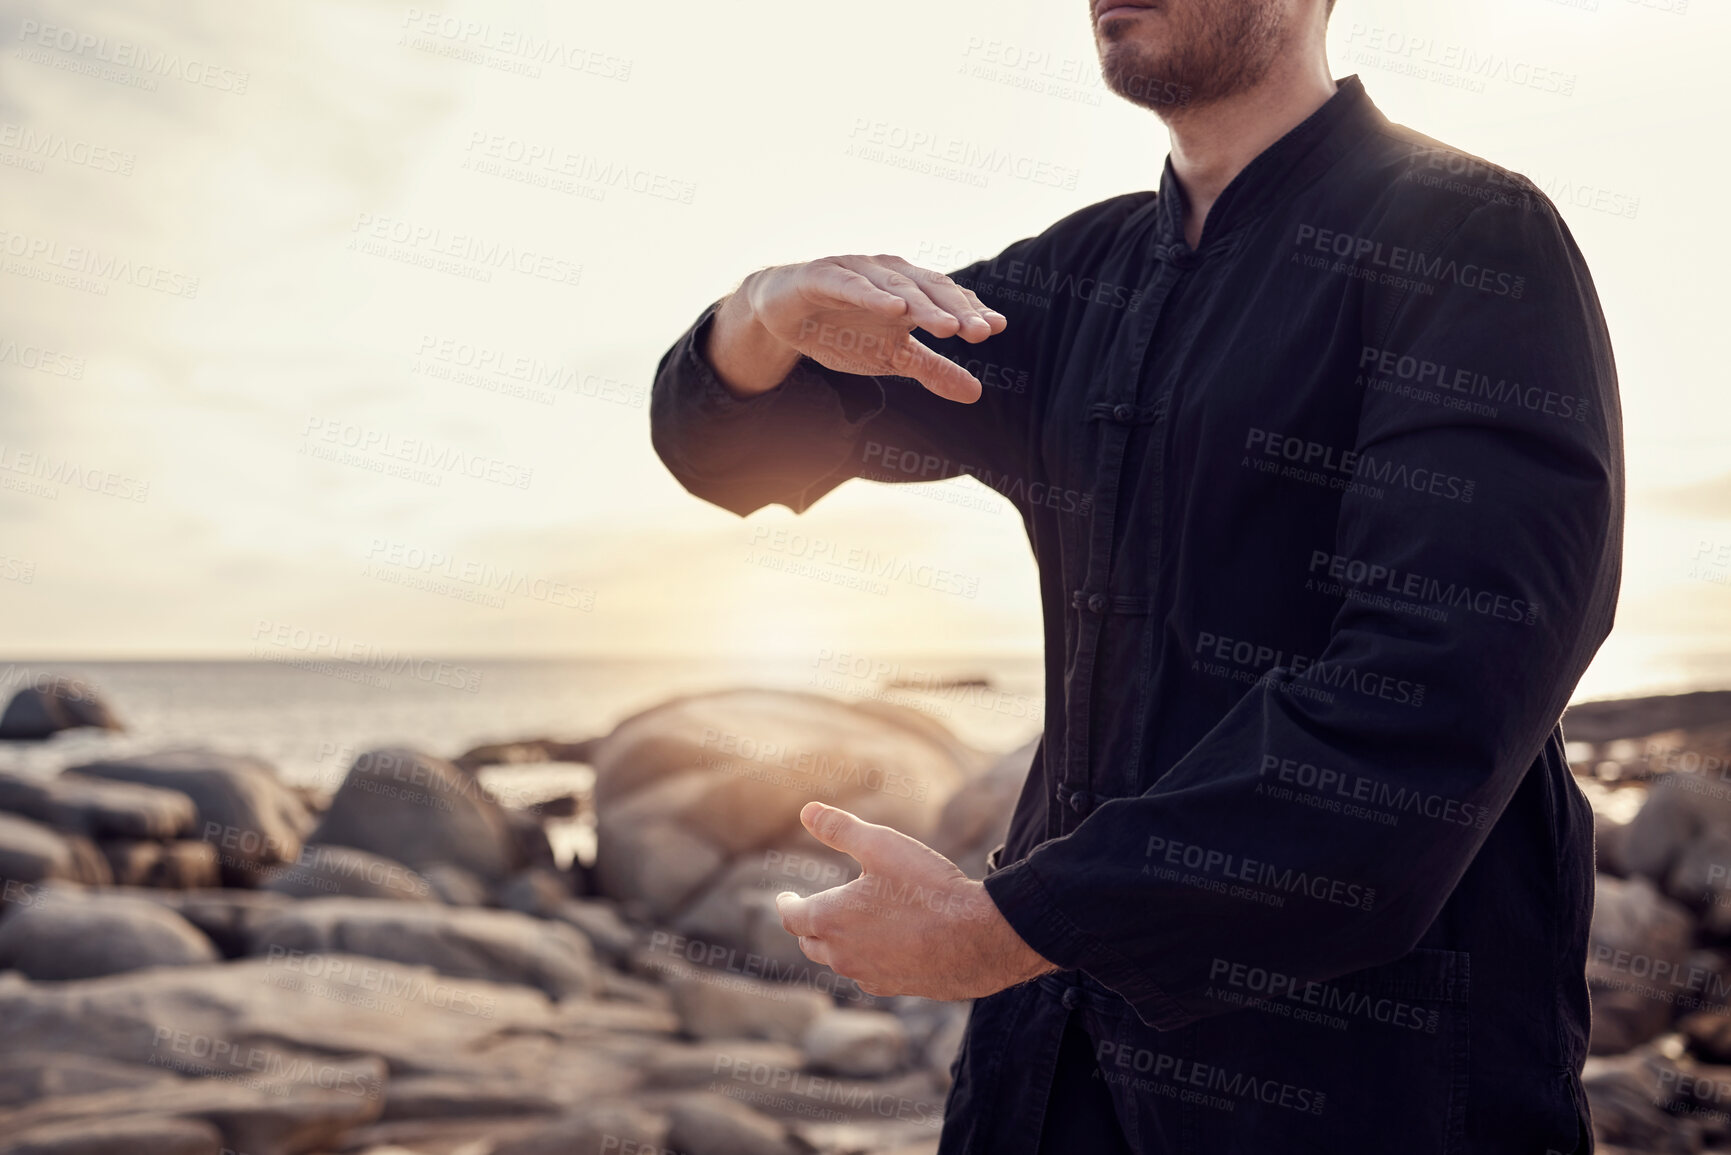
(848, 833)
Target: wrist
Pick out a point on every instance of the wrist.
(746, 356)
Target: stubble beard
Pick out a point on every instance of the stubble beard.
(1216, 49)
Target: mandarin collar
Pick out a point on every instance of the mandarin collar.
(1278, 171)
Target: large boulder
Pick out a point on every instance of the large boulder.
(687, 791)
(1638, 939)
(330, 871)
(244, 810)
(75, 935)
(31, 853)
(55, 704)
(421, 811)
(1681, 807)
(98, 809)
(495, 945)
(977, 817)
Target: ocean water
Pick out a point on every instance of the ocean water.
(312, 721)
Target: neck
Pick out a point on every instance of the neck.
(1213, 143)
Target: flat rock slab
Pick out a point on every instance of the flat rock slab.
(77, 934)
(31, 853)
(117, 1135)
(463, 942)
(98, 809)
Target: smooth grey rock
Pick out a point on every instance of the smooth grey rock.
(32, 853)
(98, 809)
(448, 1096)
(495, 945)
(718, 1005)
(1629, 1096)
(454, 886)
(604, 1130)
(81, 936)
(420, 810)
(261, 1117)
(341, 871)
(244, 811)
(181, 865)
(703, 1123)
(26, 1076)
(118, 1135)
(1636, 934)
(715, 1063)
(855, 1042)
(60, 703)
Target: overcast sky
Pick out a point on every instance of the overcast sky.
(248, 266)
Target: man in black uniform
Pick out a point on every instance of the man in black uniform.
(1319, 452)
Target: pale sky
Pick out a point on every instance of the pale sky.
(246, 268)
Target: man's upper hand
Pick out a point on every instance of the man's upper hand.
(854, 314)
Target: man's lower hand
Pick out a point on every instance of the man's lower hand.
(911, 924)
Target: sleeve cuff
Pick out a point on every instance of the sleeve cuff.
(1028, 905)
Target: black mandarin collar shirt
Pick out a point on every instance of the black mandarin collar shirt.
(1328, 517)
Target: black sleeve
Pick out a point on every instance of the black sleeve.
(1211, 863)
(794, 443)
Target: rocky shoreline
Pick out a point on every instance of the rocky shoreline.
(196, 958)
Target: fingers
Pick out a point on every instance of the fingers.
(936, 372)
(796, 913)
(841, 285)
(816, 950)
(934, 302)
(976, 322)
